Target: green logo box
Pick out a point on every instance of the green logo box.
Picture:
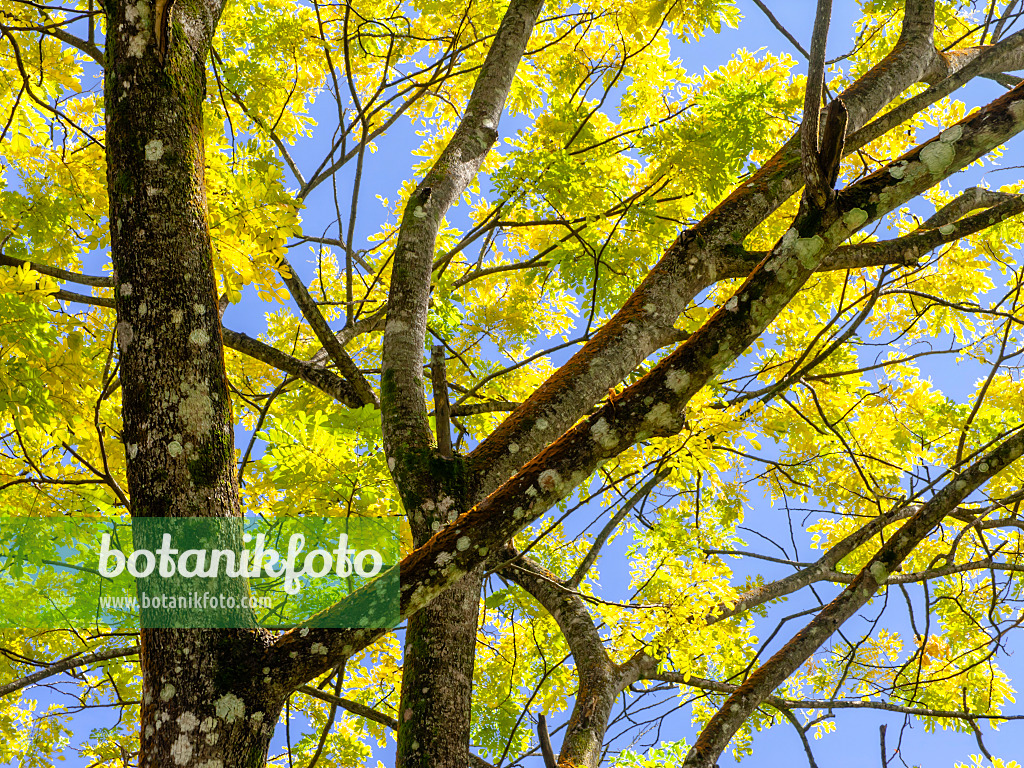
(118, 574)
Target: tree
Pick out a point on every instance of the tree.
(717, 304)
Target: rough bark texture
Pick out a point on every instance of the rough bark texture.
(440, 645)
(204, 699)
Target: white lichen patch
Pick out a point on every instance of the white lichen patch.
(937, 156)
(513, 448)
(208, 725)
(177, 316)
(443, 559)
(391, 463)
(211, 763)
(126, 289)
(878, 572)
(174, 448)
(318, 649)
(181, 750)
(541, 424)
(229, 707)
(604, 435)
(855, 218)
(154, 150)
(167, 692)
(549, 480)
(732, 304)
(419, 213)
(137, 45)
(199, 337)
(462, 544)
(196, 411)
(124, 335)
(133, 450)
(951, 134)
(677, 381)
(660, 416)
(188, 722)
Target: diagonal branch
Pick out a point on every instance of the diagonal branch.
(340, 389)
(326, 336)
(946, 226)
(754, 691)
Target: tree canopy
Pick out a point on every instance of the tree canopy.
(694, 389)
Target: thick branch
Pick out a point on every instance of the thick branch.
(404, 413)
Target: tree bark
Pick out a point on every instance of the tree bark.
(206, 700)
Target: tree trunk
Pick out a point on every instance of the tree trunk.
(440, 642)
(207, 701)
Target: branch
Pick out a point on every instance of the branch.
(326, 336)
(908, 249)
(490, 406)
(442, 408)
(404, 415)
(545, 742)
(369, 324)
(782, 29)
(825, 704)
(770, 675)
(602, 537)
(71, 662)
(351, 706)
(89, 49)
(370, 714)
(969, 200)
(338, 388)
(816, 189)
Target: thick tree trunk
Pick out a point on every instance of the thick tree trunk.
(437, 679)
(207, 700)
